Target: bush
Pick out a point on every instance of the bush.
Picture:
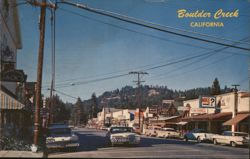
(8, 143)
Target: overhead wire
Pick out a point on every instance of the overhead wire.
(148, 24)
(108, 24)
(134, 31)
(121, 75)
(210, 53)
(198, 68)
(65, 94)
(106, 13)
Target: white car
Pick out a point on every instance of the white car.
(231, 138)
(152, 131)
(123, 135)
(198, 135)
(60, 136)
(167, 133)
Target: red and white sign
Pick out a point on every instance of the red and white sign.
(207, 102)
(198, 110)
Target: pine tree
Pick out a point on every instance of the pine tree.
(215, 87)
(94, 106)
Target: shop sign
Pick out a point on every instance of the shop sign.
(198, 111)
(207, 102)
(13, 76)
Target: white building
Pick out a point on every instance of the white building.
(12, 80)
(116, 116)
(212, 112)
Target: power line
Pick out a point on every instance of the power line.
(147, 24)
(200, 67)
(120, 28)
(65, 94)
(121, 75)
(92, 81)
(210, 53)
(152, 68)
(187, 65)
(145, 34)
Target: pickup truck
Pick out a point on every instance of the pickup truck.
(231, 138)
(198, 135)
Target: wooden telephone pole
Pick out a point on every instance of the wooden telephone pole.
(43, 5)
(138, 82)
(235, 111)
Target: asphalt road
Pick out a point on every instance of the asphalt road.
(94, 144)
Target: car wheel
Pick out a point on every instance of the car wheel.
(233, 144)
(198, 139)
(215, 142)
(73, 149)
(186, 139)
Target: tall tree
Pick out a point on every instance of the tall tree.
(59, 111)
(78, 115)
(94, 106)
(215, 87)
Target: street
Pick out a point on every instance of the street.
(94, 144)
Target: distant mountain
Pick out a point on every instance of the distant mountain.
(126, 97)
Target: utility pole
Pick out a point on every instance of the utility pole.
(53, 32)
(43, 5)
(235, 104)
(104, 113)
(138, 82)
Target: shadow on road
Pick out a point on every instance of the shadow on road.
(149, 141)
(91, 141)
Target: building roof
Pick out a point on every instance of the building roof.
(166, 118)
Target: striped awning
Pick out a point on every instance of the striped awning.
(8, 102)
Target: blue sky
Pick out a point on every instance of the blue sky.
(93, 46)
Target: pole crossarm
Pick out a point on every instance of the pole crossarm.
(42, 4)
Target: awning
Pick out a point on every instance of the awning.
(237, 119)
(8, 102)
(182, 123)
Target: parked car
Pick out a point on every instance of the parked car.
(152, 131)
(123, 135)
(168, 133)
(232, 138)
(104, 128)
(61, 136)
(199, 135)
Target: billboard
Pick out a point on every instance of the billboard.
(207, 102)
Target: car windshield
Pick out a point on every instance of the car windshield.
(120, 130)
(60, 131)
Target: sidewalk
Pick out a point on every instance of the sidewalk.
(20, 154)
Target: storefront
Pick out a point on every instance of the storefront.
(14, 118)
(210, 122)
(170, 122)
